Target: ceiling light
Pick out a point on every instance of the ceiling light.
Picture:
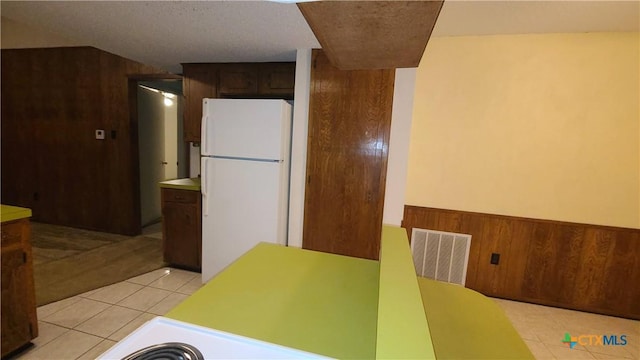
(150, 89)
(168, 102)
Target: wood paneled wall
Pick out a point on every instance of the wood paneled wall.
(349, 125)
(577, 266)
(53, 100)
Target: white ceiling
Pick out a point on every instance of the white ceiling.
(165, 34)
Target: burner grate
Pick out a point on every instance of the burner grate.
(167, 351)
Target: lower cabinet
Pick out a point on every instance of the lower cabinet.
(181, 228)
(19, 319)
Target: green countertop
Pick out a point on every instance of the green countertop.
(465, 324)
(9, 213)
(403, 332)
(322, 303)
(192, 184)
(350, 308)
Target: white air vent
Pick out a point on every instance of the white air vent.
(441, 255)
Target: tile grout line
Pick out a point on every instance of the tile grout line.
(118, 303)
(152, 284)
(125, 307)
(96, 345)
(75, 328)
(110, 306)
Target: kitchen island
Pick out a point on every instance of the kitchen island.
(317, 302)
(345, 307)
(337, 306)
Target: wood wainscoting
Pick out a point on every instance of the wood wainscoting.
(576, 266)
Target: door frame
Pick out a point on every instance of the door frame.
(133, 80)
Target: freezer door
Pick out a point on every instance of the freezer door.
(244, 203)
(246, 128)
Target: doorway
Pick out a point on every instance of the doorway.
(160, 145)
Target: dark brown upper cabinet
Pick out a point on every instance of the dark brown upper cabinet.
(199, 82)
(238, 79)
(232, 80)
(276, 79)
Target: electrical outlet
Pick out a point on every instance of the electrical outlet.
(495, 258)
(99, 134)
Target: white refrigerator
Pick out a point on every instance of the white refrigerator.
(245, 159)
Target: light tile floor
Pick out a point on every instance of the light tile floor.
(543, 328)
(86, 325)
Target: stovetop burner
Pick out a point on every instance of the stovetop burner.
(163, 338)
(167, 351)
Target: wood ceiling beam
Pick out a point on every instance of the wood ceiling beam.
(372, 34)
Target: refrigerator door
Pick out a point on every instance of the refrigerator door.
(246, 128)
(243, 203)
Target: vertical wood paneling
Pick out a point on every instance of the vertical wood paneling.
(621, 266)
(515, 261)
(537, 262)
(495, 236)
(19, 141)
(349, 124)
(53, 100)
(551, 276)
(199, 82)
(590, 279)
(469, 225)
(577, 266)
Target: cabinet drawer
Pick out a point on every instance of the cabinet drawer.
(180, 196)
(11, 234)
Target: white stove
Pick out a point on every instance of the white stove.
(208, 343)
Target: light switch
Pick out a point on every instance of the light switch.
(99, 134)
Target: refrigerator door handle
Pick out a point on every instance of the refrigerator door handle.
(203, 187)
(203, 136)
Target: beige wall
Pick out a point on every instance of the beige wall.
(16, 35)
(542, 126)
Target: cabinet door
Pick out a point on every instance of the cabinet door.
(349, 124)
(182, 230)
(199, 83)
(277, 79)
(16, 325)
(238, 79)
(19, 319)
